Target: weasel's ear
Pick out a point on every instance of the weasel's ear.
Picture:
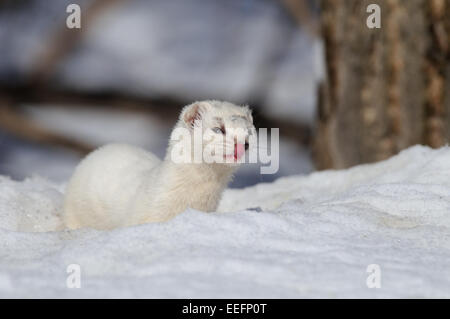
(248, 113)
(193, 112)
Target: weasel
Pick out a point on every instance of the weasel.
(121, 185)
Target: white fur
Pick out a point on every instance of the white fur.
(120, 185)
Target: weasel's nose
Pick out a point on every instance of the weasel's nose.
(246, 145)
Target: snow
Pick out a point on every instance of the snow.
(314, 236)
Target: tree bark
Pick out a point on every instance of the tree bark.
(386, 89)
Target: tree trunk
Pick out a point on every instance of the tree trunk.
(386, 89)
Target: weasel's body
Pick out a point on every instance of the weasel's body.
(121, 185)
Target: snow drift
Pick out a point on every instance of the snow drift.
(311, 236)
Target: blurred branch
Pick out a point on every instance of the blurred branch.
(16, 123)
(165, 108)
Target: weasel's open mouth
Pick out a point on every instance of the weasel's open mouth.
(239, 151)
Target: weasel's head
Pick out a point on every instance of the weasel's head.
(227, 130)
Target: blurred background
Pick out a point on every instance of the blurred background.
(341, 93)
(124, 76)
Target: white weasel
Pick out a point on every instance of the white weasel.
(120, 185)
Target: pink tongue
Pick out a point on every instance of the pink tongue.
(239, 150)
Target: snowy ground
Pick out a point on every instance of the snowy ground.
(315, 237)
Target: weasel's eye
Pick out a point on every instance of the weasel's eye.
(218, 130)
